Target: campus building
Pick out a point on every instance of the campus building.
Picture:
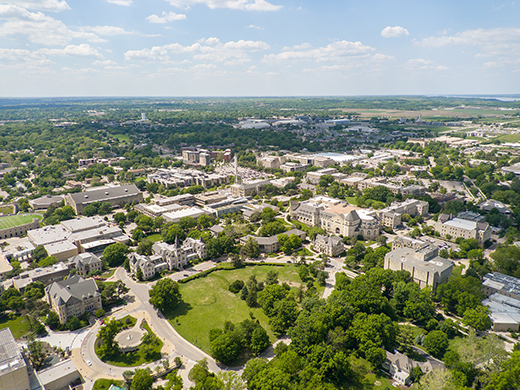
(329, 245)
(177, 177)
(116, 196)
(463, 227)
(149, 265)
(47, 275)
(425, 266)
(503, 300)
(177, 256)
(337, 217)
(249, 188)
(391, 216)
(73, 297)
(85, 263)
(13, 368)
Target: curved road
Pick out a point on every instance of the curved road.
(174, 344)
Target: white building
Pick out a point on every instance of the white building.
(149, 265)
(458, 227)
(177, 256)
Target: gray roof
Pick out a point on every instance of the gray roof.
(85, 258)
(73, 289)
(104, 194)
(329, 240)
(352, 216)
(10, 356)
(408, 256)
(502, 283)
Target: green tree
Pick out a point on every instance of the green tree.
(436, 343)
(142, 380)
(114, 255)
(107, 334)
(259, 341)
(251, 248)
(36, 354)
(39, 253)
(478, 318)
(165, 294)
(226, 347)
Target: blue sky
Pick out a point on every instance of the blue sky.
(258, 47)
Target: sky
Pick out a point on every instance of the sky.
(258, 47)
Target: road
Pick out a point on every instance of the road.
(174, 344)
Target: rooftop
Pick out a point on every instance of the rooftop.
(11, 358)
(101, 194)
(408, 256)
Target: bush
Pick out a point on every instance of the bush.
(236, 286)
(99, 313)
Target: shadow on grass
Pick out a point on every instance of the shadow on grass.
(181, 309)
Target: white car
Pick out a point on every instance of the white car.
(89, 363)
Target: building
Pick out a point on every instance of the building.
(86, 234)
(18, 231)
(227, 206)
(177, 256)
(86, 262)
(117, 196)
(464, 228)
(183, 200)
(154, 210)
(271, 244)
(149, 265)
(206, 198)
(329, 245)
(426, 268)
(73, 297)
(249, 188)
(177, 177)
(400, 366)
(502, 284)
(272, 162)
(250, 209)
(337, 217)
(292, 167)
(391, 216)
(13, 368)
(5, 266)
(46, 201)
(175, 216)
(489, 205)
(60, 376)
(315, 177)
(47, 275)
(503, 300)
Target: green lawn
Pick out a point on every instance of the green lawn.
(122, 137)
(351, 200)
(104, 384)
(367, 378)
(207, 302)
(19, 326)
(509, 137)
(6, 209)
(457, 271)
(17, 220)
(154, 238)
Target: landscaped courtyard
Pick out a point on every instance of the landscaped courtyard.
(208, 304)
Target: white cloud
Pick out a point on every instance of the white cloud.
(82, 50)
(253, 26)
(246, 5)
(336, 51)
(394, 32)
(106, 30)
(45, 5)
(422, 64)
(126, 3)
(166, 17)
(104, 63)
(379, 56)
(210, 49)
(38, 27)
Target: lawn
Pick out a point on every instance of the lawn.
(17, 220)
(457, 271)
(104, 384)
(154, 238)
(367, 378)
(19, 326)
(207, 302)
(6, 209)
(351, 200)
(509, 137)
(122, 137)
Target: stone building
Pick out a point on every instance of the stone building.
(116, 196)
(463, 227)
(86, 262)
(13, 369)
(329, 245)
(73, 297)
(391, 216)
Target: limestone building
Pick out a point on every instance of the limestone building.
(391, 216)
(73, 297)
(116, 196)
(13, 368)
(177, 256)
(329, 245)
(424, 265)
(463, 227)
(249, 188)
(337, 217)
(149, 265)
(86, 263)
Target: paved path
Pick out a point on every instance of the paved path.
(174, 344)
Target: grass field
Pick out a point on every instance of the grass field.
(19, 326)
(122, 137)
(17, 220)
(154, 238)
(509, 137)
(207, 303)
(6, 209)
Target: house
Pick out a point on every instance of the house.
(73, 297)
(329, 245)
(86, 262)
(400, 366)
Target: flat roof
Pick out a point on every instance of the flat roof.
(461, 224)
(59, 247)
(407, 256)
(83, 223)
(48, 235)
(10, 356)
(57, 371)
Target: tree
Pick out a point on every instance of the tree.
(165, 294)
(39, 253)
(226, 347)
(47, 262)
(139, 274)
(251, 248)
(437, 380)
(37, 356)
(107, 333)
(259, 341)
(114, 255)
(436, 343)
(478, 318)
(99, 313)
(142, 380)
(381, 240)
(90, 210)
(120, 217)
(508, 377)
(144, 247)
(52, 320)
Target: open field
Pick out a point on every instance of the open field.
(509, 137)
(122, 137)
(207, 302)
(19, 326)
(17, 220)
